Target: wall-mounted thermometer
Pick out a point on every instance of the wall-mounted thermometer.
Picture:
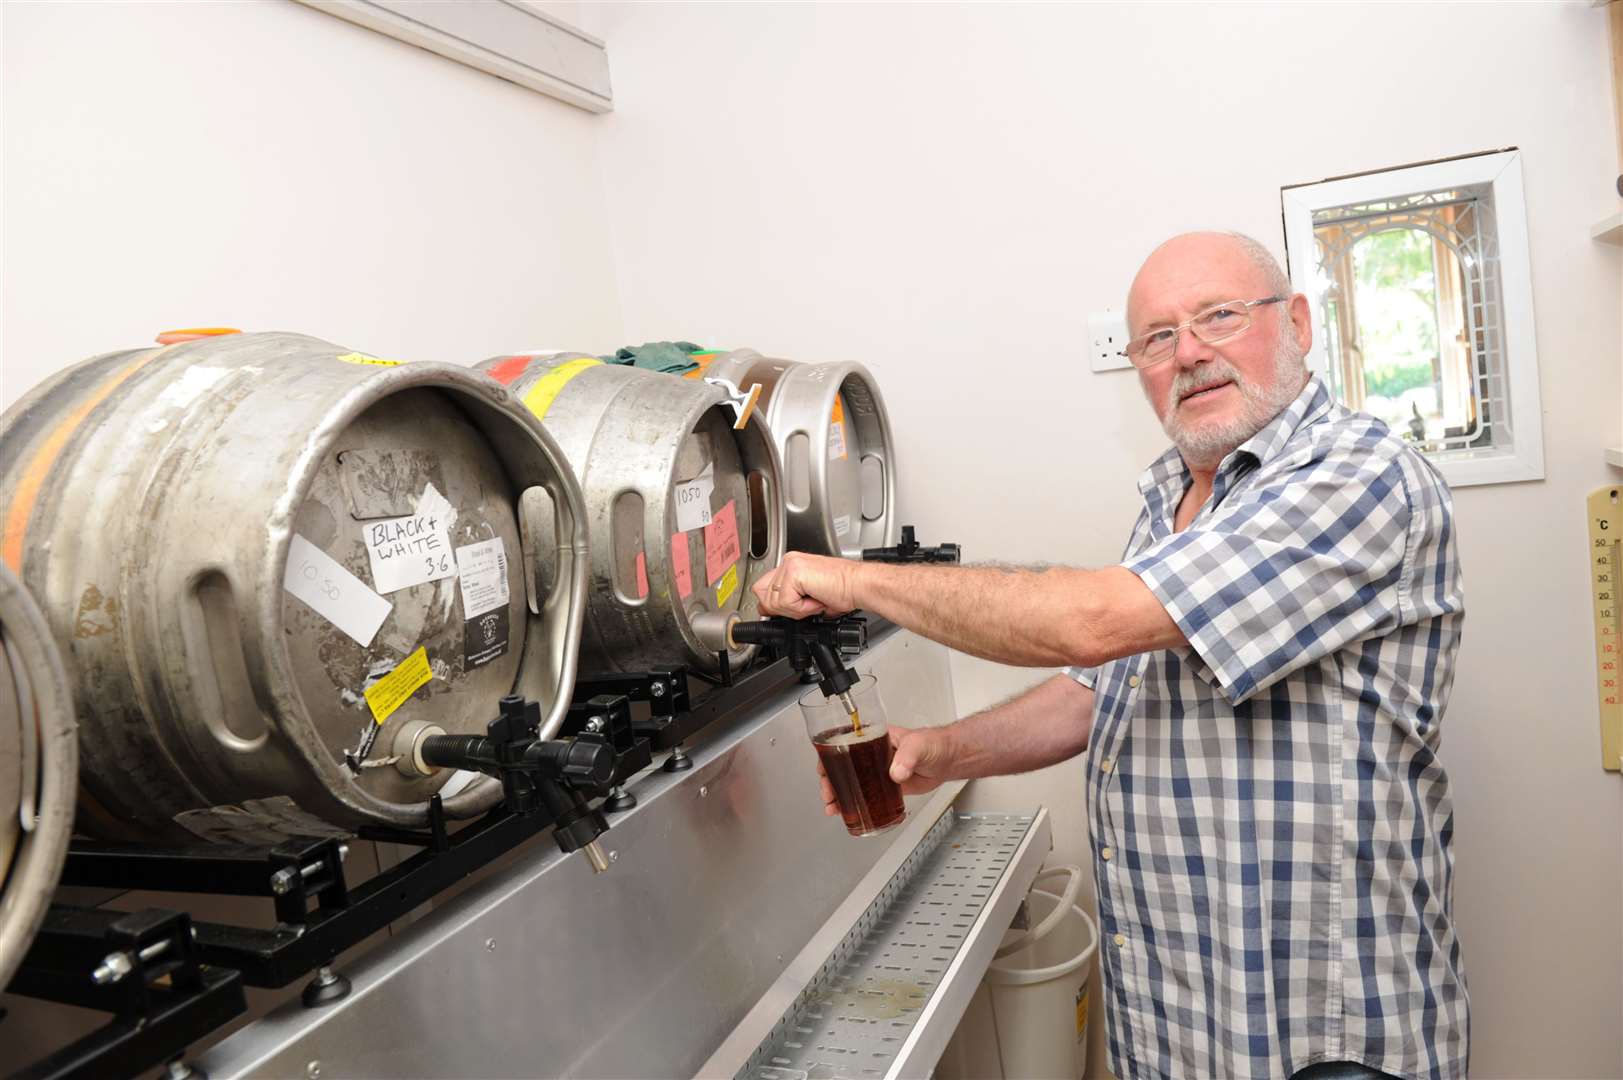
(1605, 554)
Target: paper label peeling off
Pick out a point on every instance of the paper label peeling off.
(721, 543)
(372, 361)
(390, 692)
(836, 431)
(193, 382)
(482, 568)
(693, 500)
(410, 550)
(336, 594)
(432, 503)
(682, 565)
(729, 585)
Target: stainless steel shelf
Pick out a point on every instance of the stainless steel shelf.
(888, 996)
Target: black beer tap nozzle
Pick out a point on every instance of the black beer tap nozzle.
(549, 774)
(816, 647)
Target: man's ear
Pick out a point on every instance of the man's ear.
(1301, 313)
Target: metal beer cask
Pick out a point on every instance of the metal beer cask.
(834, 442)
(637, 441)
(38, 765)
(152, 500)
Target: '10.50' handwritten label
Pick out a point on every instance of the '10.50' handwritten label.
(410, 550)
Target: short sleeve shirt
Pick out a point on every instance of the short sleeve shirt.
(1271, 823)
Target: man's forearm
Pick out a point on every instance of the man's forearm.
(1049, 723)
(1049, 617)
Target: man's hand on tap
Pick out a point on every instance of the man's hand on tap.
(919, 763)
(805, 585)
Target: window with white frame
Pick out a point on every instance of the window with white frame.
(1423, 307)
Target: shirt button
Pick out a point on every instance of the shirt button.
(1104, 765)
(1105, 854)
(1133, 680)
(1120, 940)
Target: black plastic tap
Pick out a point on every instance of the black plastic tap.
(909, 551)
(816, 646)
(551, 773)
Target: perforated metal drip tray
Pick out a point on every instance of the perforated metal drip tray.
(888, 996)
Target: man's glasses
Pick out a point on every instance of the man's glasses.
(1215, 324)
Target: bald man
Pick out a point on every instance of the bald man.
(1257, 687)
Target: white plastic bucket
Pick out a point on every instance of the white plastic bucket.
(1029, 1017)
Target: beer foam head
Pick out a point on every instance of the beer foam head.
(870, 732)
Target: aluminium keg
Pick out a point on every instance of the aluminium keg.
(272, 563)
(38, 764)
(684, 508)
(834, 443)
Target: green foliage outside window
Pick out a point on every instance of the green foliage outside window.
(1397, 318)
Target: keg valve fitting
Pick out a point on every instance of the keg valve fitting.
(816, 647)
(910, 551)
(549, 774)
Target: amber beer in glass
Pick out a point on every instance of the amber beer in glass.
(855, 754)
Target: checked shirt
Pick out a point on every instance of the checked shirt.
(1271, 825)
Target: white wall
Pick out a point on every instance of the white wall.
(944, 192)
(267, 166)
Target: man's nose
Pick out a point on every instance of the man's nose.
(1190, 350)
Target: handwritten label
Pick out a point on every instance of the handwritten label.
(362, 358)
(729, 585)
(390, 692)
(721, 544)
(336, 594)
(482, 571)
(693, 500)
(642, 574)
(410, 550)
(836, 431)
(682, 565)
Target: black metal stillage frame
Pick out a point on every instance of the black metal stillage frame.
(170, 981)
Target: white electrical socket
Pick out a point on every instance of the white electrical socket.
(1107, 337)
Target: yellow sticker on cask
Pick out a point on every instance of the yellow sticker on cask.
(370, 361)
(538, 398)
(390, 692)
(728, 586)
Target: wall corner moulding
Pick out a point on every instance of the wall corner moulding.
(1608, 230)
(512, 39)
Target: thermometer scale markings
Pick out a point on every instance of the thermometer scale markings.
(1605, 553)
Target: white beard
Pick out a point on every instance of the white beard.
(1205, 445)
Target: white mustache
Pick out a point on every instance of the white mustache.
(1184, 385)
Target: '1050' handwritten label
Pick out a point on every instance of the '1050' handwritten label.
(410, 550)
(692, 500)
